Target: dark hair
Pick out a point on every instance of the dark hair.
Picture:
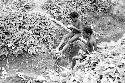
(88, 30)
(73, 15)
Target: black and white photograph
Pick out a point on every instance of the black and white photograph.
(62, 41)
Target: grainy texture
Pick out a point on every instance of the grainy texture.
(27, 37)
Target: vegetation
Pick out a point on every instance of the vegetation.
(28, 34)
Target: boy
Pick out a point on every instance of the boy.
(88, 47)
(91, 40)
(76, 31)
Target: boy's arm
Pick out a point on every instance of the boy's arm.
(73, 27)
(95, 46)
(80, 27)
(60, 23)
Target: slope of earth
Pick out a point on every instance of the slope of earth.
(105, 66)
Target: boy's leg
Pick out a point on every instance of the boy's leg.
(63, 40)
(95, 46)
(73, 63)
(90, 46)
(82, 45)
(70, 41)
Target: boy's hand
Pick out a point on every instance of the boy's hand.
(70, 26)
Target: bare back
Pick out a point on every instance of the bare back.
(79, 25)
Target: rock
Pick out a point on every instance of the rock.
(65, 73)
(21, 75)
(40, 78)
(31, 81)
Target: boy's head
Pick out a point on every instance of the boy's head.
(88, 31)
(74, 16)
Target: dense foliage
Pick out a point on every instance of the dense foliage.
(27, 33)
